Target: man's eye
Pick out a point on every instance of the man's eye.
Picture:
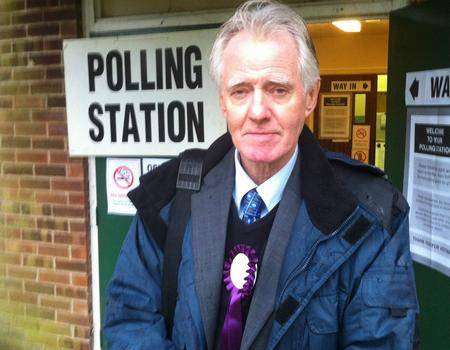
(240, 93)
(279, 92)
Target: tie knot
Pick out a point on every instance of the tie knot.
(251, 206)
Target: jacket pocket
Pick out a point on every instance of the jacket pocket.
(323, 323)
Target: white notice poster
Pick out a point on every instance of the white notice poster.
(334, 121)
(122, 175)
(428, 190)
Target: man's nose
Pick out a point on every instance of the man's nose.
(258, 107)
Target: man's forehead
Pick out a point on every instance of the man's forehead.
(240, 78)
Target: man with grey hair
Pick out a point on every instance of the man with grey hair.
(264, 241)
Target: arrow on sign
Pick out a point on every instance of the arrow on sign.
(365, 86)
(414, 89)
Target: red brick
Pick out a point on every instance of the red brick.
(28, 73)
(52, 44)
(40, 312)
(77, 199)
(60, 14)
(28, 45)
(8, 155)
(81, 320)
(27, 101)
(39, 58)
(14, 115)
(12, 32)
(77, 226)
(68, 185)
(55, 277)
(55, 73)
(54, 250)
(52, 224)
(17, 169)
(72, 343)
(5, 19)
(13, 88)
(43, 29)
(22, 272)
(48, 143)
(37, 235)
(35, 183)
(9, 182)
(15, 246)
(69, 211)
(18, 220)
(56, 101)
(57, 129)
(71, 292)
(78, 252)
(47, 115)
(30, 128)
(36, 209)
(11, 5)
(71, 265)
(32, 156)
(6, 102)
(80, 280)
(53, 198)
(55, 302)
(38, 261)
(12, 283)
(10, 258)
(50, 170)
(36, 3)
(23, 297)
(14, 59)
(59, 157)
(6, 128)
(80, 307)
(27, 17)
(69, 29)
(46, 87)
(15, 142)
(82, 332)
(5, 73)
(69, 238)
(10, 232)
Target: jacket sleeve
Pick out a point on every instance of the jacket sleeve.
(383, 309)
(133, 320)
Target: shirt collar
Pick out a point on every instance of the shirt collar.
(270, 190)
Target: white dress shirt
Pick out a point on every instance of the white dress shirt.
(270, 190)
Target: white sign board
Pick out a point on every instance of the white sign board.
(122, 175)
(351, 85)
(431, 87)
(428, 190)
(141, 95)
(334, 122)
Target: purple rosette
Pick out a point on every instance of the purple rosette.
(232, 329)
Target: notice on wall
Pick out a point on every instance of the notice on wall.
(141, 95)
(361, 142)
(122, 175)
(351, 85)
(149, 164)
(428, 190)
(334, 120)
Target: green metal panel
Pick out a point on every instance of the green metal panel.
(419, 39)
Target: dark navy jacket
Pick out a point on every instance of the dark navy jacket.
(337, 274)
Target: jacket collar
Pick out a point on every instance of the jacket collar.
(328, 201)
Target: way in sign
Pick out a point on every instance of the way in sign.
(440, 86)
(176, 120)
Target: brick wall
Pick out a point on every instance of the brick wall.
(44, 261)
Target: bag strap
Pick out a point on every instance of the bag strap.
(188, 181)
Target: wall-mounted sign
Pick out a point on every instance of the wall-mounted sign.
(351, 85)
(334, 122)
(122, 175)
(428, 189)
(361, 142)
(431, 87)
(141, 95)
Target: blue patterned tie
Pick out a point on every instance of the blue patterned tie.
(251, 205)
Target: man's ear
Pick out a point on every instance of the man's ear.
(311, 98)
(223, 108)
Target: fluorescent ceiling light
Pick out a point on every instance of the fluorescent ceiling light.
(352, 25)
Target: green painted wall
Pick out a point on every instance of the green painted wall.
(419, 39)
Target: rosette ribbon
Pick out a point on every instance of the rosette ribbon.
(231, 335)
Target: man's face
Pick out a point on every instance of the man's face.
(262, 97)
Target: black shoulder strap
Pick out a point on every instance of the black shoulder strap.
(188, 181)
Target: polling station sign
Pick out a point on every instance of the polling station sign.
(141, 95)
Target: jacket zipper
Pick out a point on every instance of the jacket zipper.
(304, 264)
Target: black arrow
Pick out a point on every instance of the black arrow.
(365, 86)
(414, 89)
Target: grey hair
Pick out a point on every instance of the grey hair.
(263, 17)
